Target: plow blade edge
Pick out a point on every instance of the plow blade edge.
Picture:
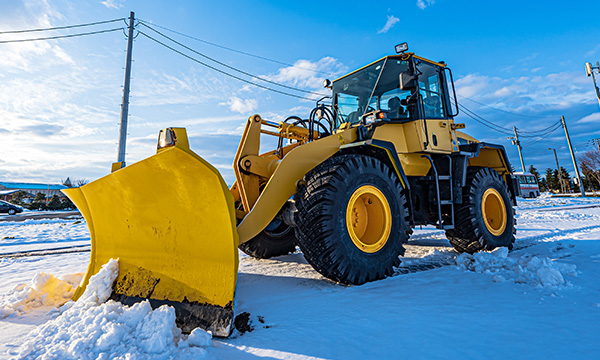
(170, 221)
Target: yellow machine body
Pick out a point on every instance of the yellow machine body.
(175, 226)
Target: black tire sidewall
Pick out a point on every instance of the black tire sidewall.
(506, 238)
(322, 233)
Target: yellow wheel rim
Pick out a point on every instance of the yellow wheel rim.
(494, 212)
(368, 219)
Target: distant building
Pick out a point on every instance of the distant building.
(8, 189)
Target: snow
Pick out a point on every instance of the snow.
(97, 329)
(44, 290)
(526, 269)
(541, 300)
(42, 233)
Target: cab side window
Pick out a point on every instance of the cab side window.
(430, 87)
(348, 107)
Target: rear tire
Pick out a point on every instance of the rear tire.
(12, 211)
(352, 219)
(485, 219)
(276, 240)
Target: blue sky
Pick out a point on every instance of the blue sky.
(60, 99)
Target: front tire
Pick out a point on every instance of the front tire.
(485, 219)
(12, 211)
(352, 219)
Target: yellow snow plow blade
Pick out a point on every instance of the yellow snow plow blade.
(170, 221)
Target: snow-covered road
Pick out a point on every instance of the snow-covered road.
(542, 300)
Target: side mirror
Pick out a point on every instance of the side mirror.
(407, 81)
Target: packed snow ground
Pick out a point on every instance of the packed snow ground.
(542, 300)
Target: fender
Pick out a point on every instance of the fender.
(492, 156)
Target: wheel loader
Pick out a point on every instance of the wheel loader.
(346, 185)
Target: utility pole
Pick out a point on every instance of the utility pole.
(560, 180)
(515, 141)
(125, 104)
(564, 124)
(589, 70)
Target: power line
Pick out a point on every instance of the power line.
(485, 122)
(61, 36)
(223, 72)
(231, 67)
(236, 51)
(546, 133)
(489, 125)
(504, 111)
(557, 126)
(60, 27)
(502, 129)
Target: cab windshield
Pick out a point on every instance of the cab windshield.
(375, 87)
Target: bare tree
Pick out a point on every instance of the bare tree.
(74, 183)
(590, 165)
(80, 182)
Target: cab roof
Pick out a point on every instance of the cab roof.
(404, 56)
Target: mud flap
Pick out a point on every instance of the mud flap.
(170, 221)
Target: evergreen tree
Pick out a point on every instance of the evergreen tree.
(40, 197)
(18, 197)
(67, 182)
(533, 171)
(543, 184)
(39, 203)
(54, 203)
(67, 204)
(551, 180)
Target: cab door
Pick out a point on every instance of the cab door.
(434, 108)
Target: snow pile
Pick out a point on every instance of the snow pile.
(527, 269)
(93, 329)
(44, 290)
(545, 195)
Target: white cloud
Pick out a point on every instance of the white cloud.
(527, 93)
(53, 104)
(391, 21)
(422, 4)
(242, 106)
(62, 55)
(592, 118)
(309, 74)
(593, 51)
(192, 87)
(114, 4)
(26, 55)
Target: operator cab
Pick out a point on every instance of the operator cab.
(396, 88)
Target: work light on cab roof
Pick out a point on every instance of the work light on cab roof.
(400, 48)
